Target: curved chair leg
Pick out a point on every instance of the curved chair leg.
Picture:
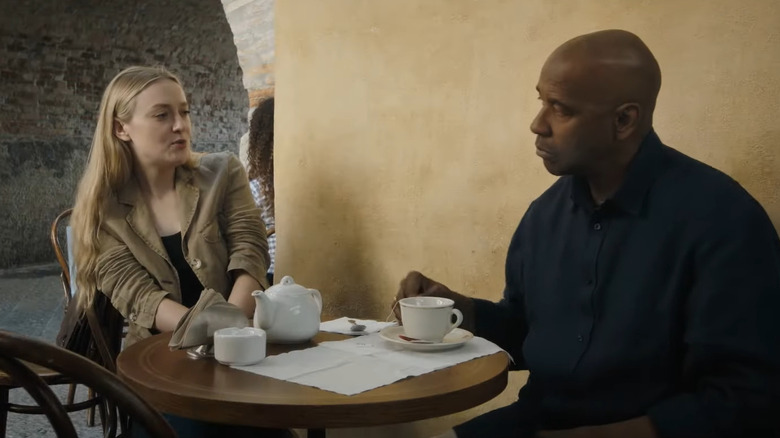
(91, 411)
(71, 393)
(103, 416)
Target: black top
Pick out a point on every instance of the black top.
(189, 284)
(664, 301)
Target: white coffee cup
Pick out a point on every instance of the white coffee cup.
(429, 318)
(239, 346)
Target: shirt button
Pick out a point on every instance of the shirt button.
(597, 226)
(579, 338)
(132, 317)
(195, 263)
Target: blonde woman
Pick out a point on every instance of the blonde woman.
(154, 223)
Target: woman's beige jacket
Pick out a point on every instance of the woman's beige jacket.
(221, 230)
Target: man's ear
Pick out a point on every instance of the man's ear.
(626, 120)
(119, 131)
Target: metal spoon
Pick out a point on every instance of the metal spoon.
(355, 326)
(200, 352)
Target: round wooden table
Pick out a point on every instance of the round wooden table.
(205, 390)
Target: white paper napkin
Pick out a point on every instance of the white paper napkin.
(359, 364)
(378, 347)
(343, 326)
(360, 374)
(287, 366)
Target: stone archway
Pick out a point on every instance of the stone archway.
(252, 23)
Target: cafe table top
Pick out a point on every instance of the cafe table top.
(207, 390)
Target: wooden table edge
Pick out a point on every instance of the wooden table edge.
(319, 416)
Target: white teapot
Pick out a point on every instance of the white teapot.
(288, 312)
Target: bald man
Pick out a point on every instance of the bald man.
(643, 287)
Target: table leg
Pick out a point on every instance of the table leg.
(315, 433)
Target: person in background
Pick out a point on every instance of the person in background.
(643, 287)
(157, 227)
(260, 157)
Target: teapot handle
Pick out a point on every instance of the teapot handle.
(317, 298)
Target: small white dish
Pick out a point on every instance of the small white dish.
(239, 346)
(454, 339)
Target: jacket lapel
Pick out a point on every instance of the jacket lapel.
(188, 198)
(139, 218)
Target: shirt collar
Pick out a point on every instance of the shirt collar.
(643, 170)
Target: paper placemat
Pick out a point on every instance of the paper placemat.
(359, 364)
(343, 326)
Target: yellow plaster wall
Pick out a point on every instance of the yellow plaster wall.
(402, 136)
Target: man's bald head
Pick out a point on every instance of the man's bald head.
(615, 66)
(599, 92)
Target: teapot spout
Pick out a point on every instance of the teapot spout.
(264, 310)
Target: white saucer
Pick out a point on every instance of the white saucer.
(453, 339)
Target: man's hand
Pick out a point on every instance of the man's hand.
(415, 284)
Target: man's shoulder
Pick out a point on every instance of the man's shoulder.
(697, 183)
(693, 192)
(693, 170)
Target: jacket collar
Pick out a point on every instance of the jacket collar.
(140, 218)
(642, 172)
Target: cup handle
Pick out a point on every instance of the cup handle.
(458, 319)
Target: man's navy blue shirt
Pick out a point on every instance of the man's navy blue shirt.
(663, 301)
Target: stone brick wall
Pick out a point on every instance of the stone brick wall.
(56, 57)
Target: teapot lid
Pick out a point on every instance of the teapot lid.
(288, 287)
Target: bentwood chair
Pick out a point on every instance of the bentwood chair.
(47, 377)
(44, 374)
(62, 246)
(18, 357)
(97, 336)
(60, 243)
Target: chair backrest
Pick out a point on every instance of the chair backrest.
(15, 348)
(63, 250)
(95, 333)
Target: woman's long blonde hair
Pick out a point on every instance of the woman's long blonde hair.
(109, 167)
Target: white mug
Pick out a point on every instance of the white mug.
(239, 346)
(429, 318)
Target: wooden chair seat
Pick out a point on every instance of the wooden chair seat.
(48, 376)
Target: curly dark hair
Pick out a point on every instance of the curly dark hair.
(260, 154)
